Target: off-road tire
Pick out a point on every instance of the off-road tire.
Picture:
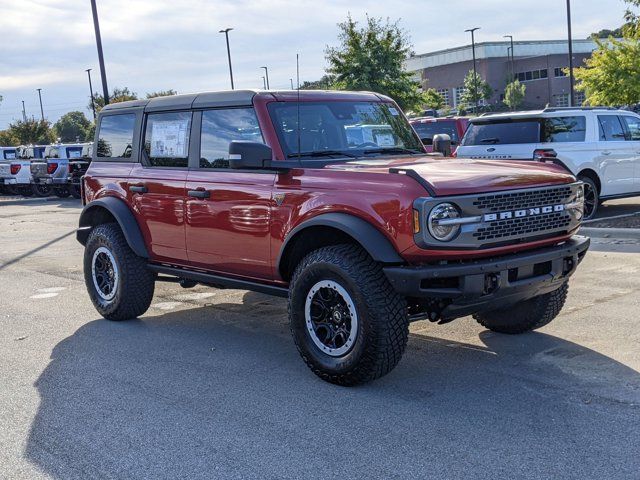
(590, 188)
(383, 322)
(525, 316)
(136, 283)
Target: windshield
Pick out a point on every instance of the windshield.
(426, 130)
(342, 129)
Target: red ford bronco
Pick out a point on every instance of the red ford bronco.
(330, 199)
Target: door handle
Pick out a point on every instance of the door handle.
(199, 193)
(138, 189)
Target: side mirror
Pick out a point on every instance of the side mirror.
(442, 144)
(249, 155)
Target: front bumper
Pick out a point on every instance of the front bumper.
(473, 286)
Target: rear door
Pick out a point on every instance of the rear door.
(615, 157)
(501, 139)
(156, 188)
(632, 124)
(228, 212)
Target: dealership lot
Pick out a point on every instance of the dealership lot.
(208, 382)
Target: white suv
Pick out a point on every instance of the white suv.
(601, 146)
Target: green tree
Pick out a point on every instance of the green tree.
(162, 93)
(473, 94)
(31, 132)
(8, 139)
(372, 58)
(611, 76)
(325, 83)
(432, 99)
(117, 95)
(514, 94)
(73, 126)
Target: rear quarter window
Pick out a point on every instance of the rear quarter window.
(115, 137)
(564, 129)
(502, 132)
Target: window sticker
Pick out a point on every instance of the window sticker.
(393, 111)
(74, 153)
(169, 139)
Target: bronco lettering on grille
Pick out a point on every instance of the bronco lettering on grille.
(526, 212)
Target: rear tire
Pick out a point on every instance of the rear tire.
(75, 191)
(591, 197)
(348, 323)
(525, 316)
(61, 192)
(118, 281)
(41, 190)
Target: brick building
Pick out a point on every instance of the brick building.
(537, 64)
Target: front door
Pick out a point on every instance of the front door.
(633, 137)
(157, 185)
(228, 212)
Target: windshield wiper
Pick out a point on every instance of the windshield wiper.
(323, 153)
(490, 140)
(410, 151)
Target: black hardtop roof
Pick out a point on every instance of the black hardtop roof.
(236, 98)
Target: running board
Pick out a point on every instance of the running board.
(220, 281)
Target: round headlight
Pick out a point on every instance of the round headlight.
(576, 207)
(439, 223)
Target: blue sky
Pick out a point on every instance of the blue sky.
(161, 44)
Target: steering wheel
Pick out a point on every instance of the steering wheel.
(367, 144)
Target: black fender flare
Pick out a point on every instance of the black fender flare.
(123, 215)
(369, 237)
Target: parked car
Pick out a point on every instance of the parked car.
(426, 128)
(6, 153)
(52, 173)
(77, 168)
(15, 174)
(601, 146)
(261, 190)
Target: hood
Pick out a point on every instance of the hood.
(460, 176)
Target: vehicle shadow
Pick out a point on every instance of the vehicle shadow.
(220, 392)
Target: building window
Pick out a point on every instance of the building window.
(457, 96)
(445, 94)
(562, 100)
(559, 72)
(579, 98)
(531, 75)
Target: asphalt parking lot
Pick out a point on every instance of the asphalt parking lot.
(208, 383)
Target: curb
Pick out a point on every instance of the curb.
(626, 233)
(28, 200)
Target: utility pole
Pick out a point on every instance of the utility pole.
(513, 67)
(264, 83)
(93, 103)
(475, 72)
(266, 73)
(226, 34)
(40, 97)
(24, 114)
(103, 73)
(571, 78)
(291, 80)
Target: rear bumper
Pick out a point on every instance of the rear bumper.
(488, 284)
(8, 181)
(48, 180)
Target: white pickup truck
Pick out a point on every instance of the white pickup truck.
(52, 172)
(15, 173)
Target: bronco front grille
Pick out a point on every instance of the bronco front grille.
(524, 199)
(524, 227)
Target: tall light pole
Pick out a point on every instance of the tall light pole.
(571, 78)
(291, 80)
(475, 72)
(103, 73)
(264, 83)
(226, 35)
(513, 67)
(24, 114)
(40, 97)
(93, 103)
(266, 74)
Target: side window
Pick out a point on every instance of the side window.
(74, 152)
(219, 128)
(166, 139)
(610, 128)
(52, 153)
(564, 129)
(115, 138)
(633, 127)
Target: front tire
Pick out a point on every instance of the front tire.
(62, 192)
(525, 316)
(118, 281)
(348, 323)
(41, 190)
(591, 197)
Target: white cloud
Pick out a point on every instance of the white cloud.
(151, 45)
